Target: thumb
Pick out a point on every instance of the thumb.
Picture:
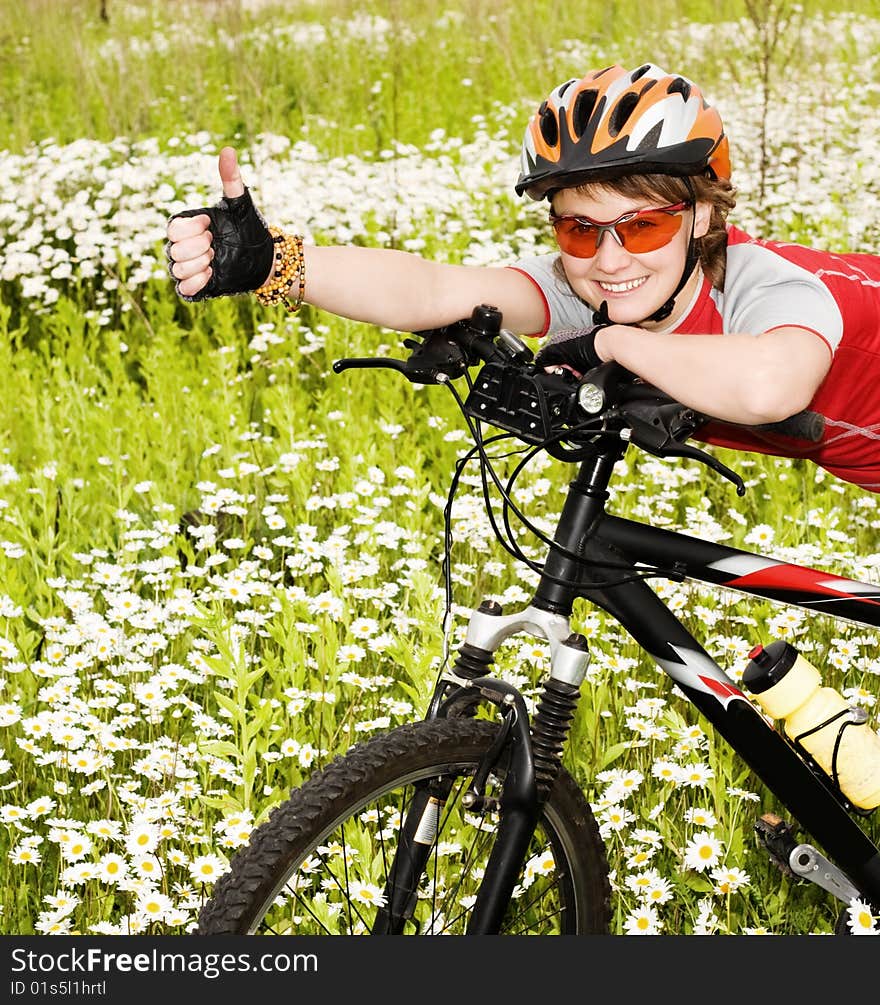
(230, 175)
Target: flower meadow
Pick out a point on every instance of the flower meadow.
(220, 563)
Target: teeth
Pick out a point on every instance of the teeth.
(622, 287)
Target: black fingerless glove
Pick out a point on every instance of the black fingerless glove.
(577, 350)
(243, 248)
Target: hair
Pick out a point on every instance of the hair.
(669, 189)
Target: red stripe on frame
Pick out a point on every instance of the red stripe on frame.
(720, 688)
(794, 578)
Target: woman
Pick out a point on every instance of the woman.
(635, 167)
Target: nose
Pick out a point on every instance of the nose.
(611, 256)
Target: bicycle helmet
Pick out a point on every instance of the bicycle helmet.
(614, 122)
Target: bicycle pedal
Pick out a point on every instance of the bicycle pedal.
(777, 838)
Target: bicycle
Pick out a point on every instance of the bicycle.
(467, 821)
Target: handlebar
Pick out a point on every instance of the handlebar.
(558, 411)
(805, 425)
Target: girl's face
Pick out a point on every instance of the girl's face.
(633, 284)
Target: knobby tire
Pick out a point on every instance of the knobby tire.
(319, 863)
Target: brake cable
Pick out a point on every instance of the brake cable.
(510, 545)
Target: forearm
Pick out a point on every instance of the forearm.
(736, 377)
(403, 291)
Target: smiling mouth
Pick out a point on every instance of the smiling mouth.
(630, 284)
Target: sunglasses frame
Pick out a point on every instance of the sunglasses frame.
(601, 228)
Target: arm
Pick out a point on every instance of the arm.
(394, 289)
(403, 291)
(750, 379)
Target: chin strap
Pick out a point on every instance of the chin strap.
(662, 313)
(600, 317)
(690, 262)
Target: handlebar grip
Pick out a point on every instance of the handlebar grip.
(805, 425)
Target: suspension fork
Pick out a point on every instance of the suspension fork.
(535, 757)
(532, 752)
(532, 755)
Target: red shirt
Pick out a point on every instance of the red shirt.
(849, 396)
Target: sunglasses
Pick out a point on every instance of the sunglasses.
(645, 230)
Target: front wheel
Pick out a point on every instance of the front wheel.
(323, 862)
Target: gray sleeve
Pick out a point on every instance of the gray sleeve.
(566, 310)
(762, 290)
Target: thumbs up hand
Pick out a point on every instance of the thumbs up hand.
(220, 250)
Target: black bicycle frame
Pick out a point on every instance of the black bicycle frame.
(599, 557)
(600, 538)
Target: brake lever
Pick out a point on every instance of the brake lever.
(658, 442)
(362, 363)
(432, 361)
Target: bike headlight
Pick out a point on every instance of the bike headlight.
(591, 398)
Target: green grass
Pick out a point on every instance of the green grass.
(156, 69)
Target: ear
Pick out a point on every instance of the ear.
(702, 218)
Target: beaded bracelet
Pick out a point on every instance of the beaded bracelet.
(289, 270)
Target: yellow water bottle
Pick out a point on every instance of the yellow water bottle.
(836, 734)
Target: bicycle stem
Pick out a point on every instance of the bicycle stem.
(561, 581)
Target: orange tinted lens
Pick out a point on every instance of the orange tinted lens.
(576, 238)
(649, 230)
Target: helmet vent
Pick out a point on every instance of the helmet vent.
(680, 86)
(583, 109)
(622, 111)
(642, 70)
(549, 125)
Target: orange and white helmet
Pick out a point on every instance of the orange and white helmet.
(614, 122)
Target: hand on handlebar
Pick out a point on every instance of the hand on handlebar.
(223, 249)
(576, 351)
